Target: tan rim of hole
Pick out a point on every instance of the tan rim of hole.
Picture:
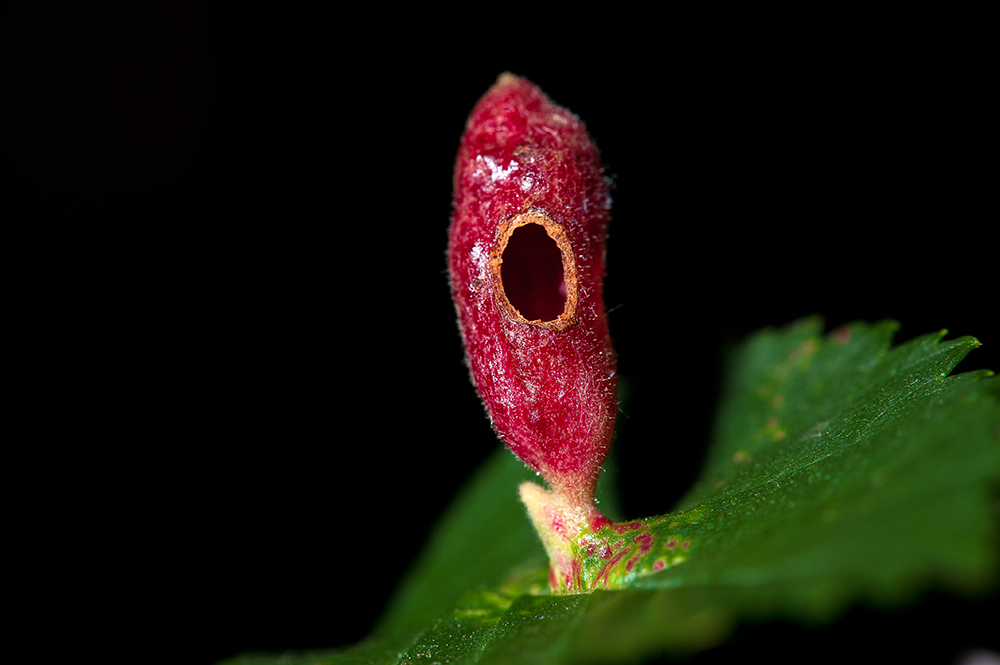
(557, 233)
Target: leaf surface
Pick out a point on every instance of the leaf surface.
(840, 470)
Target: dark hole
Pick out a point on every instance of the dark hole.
(532, 274)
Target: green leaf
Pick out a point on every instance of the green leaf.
(840, 471)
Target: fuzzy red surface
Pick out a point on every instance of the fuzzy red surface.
(548, 386)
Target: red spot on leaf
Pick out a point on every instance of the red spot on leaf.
(603, 576)
(624, 528)
(644, 541)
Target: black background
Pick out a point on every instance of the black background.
(244, 402)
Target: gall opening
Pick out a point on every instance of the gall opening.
(533, 274)
(536, 270)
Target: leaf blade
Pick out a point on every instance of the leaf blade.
(881, 486)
